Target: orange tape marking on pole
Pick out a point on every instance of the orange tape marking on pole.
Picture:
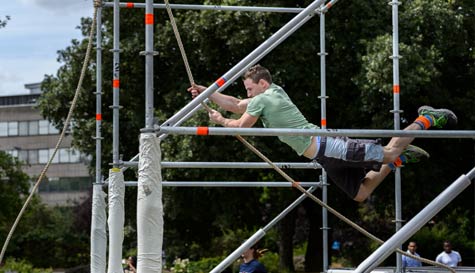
(396, 89)
(98, 116)
(329, 5)
(324, 122)
(116, 83)
(220, 82)
(149, 19)
(295, 184)
(130, 5)
(202, 131)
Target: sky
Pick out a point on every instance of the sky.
(37, 29)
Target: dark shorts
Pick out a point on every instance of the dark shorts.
(350, 173)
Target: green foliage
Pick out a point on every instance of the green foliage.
(436, 68)
(22, 266)
(3, 22)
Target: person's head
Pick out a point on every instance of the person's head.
(256, 80)
(132, 260)
(412, 246)
(447, 247)
(253, 253)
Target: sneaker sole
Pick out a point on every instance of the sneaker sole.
(451, 121)
(417, 150)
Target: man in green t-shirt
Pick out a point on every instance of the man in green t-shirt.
(357, 166)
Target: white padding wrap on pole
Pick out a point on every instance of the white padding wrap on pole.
(149, 206)
(98, 230)
(116, 219)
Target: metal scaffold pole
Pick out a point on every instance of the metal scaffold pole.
(409, 229)
(98, 250)
(323, 97)
(396, 111)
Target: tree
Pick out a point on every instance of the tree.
(3, 22)
(437, 69)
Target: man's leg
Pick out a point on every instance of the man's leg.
(370, 182)
(428, 117)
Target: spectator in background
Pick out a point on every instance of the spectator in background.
(131, 265)
(449, 257)
(251, 263)
(408, 261)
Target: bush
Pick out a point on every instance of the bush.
(21, 266)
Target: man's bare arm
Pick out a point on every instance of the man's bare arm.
(228, 103)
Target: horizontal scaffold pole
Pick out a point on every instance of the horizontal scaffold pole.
(209, 7)
(232, 165)
(314, 132)
(229, 184)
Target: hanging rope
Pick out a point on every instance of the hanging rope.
(97, 3)
(280, 171)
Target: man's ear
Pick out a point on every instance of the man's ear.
(264, 83)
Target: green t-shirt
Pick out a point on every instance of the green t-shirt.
(276, 110)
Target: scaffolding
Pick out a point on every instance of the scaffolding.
(150, 164)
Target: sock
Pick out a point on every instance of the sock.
(425, 121)
(398, 163)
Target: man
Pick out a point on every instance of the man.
(250, 261)
(408, 261)
(449, 257)
(345, 160)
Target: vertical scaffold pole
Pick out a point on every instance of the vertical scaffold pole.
(116, 85)
(414, 225)
(249, 60)
(323, 97)
(149, 192)
(396, 111)
(98, 215)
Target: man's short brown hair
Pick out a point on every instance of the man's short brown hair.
(257, 73)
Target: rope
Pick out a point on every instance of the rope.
(288, 178)
(330, 209)
(182, 50)
(63, 132)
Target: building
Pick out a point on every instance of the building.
(25, 134)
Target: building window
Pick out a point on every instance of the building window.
(3, 128)
(63, 155)
(43, 156)
(52, 129)
(33, 127)
(13, 128)
(23, 128)
(74, 156)
(43, 127)
(56, 156)
(33, 156)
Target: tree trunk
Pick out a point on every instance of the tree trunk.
(314, 254)
(286, 249)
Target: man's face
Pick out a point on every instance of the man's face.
(253, 89)
(447, 248)
(412, 247)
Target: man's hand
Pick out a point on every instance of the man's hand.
(195, 90)
(216, 117)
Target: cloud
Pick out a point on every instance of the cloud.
(60, 6)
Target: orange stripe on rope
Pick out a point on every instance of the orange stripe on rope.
(202, 131)
(149, 19)
(295, 184)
